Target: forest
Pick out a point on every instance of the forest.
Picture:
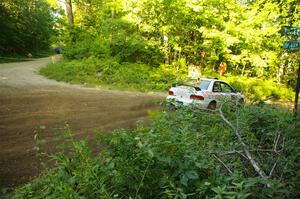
(146, 45)
(158, 38)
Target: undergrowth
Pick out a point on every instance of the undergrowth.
(187, 153)
(109, 72)
(258, 89)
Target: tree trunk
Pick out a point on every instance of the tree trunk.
(243, 70)
(282, 67)
(166, 49)
(69, 9)
(280, 73)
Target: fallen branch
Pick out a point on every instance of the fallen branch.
(251, 150)
(230, 153)
(273, 168)
(276, 142)
(223, 163)
(245, 149)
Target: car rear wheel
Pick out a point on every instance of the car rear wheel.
(241, 102)
(212, 105)
(170, 107)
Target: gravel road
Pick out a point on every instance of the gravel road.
(31, 103)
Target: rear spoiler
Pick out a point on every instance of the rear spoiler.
(185, 84)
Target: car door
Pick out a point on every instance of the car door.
(217, 91)
(227, 92)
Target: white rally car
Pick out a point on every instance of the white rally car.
(205, 92)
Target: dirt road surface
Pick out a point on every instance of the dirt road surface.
(30, 103)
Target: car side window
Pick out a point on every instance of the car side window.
(217, 87)
(226, 88)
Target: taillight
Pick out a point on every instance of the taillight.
(171, 93)
(197, 97)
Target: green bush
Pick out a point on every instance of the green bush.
(110, 73)
(180, 155)
(254, 88)
(117, 38)
(74, 71)
(86, 46)
(258, 89)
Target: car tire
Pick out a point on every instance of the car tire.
(171, 107)
(212, 105)
(240, 103)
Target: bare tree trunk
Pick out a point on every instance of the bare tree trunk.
(243, 70)
(111, 34)
(166, 49)
(69, 9)
(282, 67)
(113, 13)
(280, 73)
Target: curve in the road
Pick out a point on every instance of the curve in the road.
(31, 103)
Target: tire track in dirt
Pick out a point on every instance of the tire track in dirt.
(29, 101)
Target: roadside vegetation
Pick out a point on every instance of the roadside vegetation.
(26, 57)
(187, 153)
(109, 73)
(13, 59)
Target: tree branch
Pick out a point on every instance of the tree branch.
(276, 142)
(255, 164)
(251, 150)
(272, 170)
(223, 163)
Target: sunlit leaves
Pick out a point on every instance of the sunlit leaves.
(244, 34)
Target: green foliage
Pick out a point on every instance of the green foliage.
(110, 73)
(257, 89)
(244, 34)
(175, 157)
(116, 38)
(14, 59)
(26, 26)
(87, 46)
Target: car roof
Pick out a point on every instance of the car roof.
(209, 79)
